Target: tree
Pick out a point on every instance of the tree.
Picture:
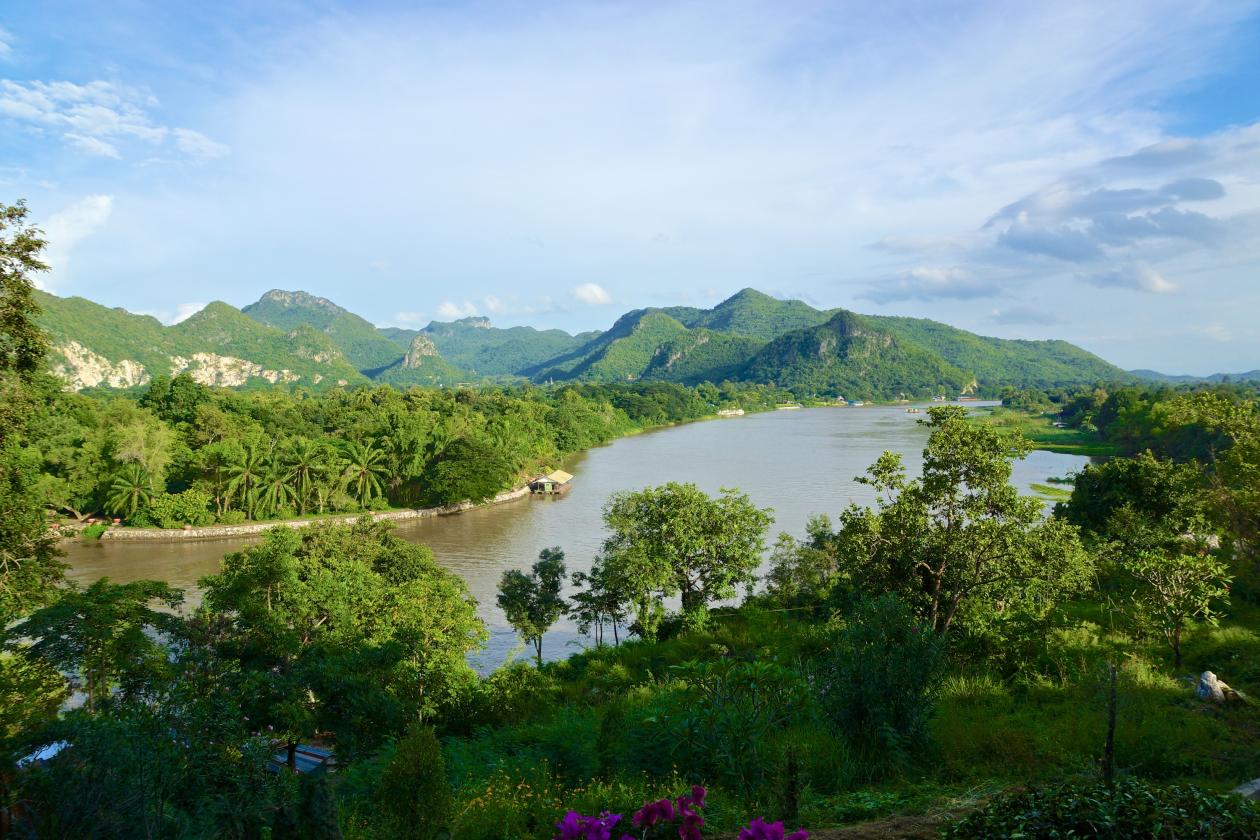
(960, 543)
(677, 540)
(598, 602)
(22, 343)
(532, 603)
(364, 471)
(1174, 586)
(245, 474)
(106, 634)
(306, 461)
(1161, 489)
(467, 470)
(130, 491)
(414, 798)
(275, 490)
(342, 628)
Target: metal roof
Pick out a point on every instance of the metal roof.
(560, 477)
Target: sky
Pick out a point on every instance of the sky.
(1086, 171)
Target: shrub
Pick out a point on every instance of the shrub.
(94, 531)
(1131, 809)
(174, 510)
(414, 796)
(879, 683)
(231, 517)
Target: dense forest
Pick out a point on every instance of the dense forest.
(179, 453)
(948, 660)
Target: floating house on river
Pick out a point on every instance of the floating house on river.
(553, 484)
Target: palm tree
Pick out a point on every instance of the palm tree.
(245, 474)
(364, 471)
(274, 490)
(131, 489)
(306, 462)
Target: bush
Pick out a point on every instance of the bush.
(174, 510)
(414, 796)
(1132, 809)
(94, 531)
(231, 517)
(879, 683)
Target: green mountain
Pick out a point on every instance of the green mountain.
(298, 338)
(361, 343)
(751, 313)
(1003, 361)
(95, 346)
(479, 347)
(1184, 379)
(422, 365)
(849, 356)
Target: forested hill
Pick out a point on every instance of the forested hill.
(296, 338)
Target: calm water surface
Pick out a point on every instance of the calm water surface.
(798, 462)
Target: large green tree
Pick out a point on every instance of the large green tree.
(676, 540)
(342, 628)
(532, 602)
(959, 544)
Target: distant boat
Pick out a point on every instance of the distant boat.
(914, 411)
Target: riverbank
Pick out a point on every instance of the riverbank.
(1044, 434)
(228, 532)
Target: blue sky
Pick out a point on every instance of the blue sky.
(1083, 171)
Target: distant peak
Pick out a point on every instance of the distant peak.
(480, 322)
(746, 293)
(298, 298)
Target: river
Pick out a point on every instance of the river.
(798, 462)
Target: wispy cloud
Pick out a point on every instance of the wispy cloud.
(1140, 277)
(6, 45)
(66, 228)
(453, 309)
(932, 283)
(97, 116)
(591, 294)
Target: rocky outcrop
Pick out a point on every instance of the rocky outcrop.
(421, 348)
(83, 368)
(227, 371)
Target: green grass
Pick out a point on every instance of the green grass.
(1040, 429)
(989, 733)
(1048, 491)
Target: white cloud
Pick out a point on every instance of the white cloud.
(451, 309)
(67, 228)
(180, 313)
(409, 317)
(928, 282)
(97, 116)
(494, 305)
(6, 44)
(92, 145)
(591, 294)
(1138, 276)
(197, 145)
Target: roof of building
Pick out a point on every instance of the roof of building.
(560, 477)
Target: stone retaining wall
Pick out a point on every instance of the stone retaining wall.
(222, 532)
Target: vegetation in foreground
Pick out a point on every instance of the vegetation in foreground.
(948, 649)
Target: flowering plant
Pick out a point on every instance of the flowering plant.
(654, 817)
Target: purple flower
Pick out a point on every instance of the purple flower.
(652, 813)
(759, 829)
(574, 826)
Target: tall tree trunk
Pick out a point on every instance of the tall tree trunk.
(1176, 645)
(291, 760)
(1109, 748)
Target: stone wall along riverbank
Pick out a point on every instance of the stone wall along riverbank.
(223, 532)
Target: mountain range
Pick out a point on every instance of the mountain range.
(295, 338)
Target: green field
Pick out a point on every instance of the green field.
(1040, 429)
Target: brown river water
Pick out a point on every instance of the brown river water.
(798, 462)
